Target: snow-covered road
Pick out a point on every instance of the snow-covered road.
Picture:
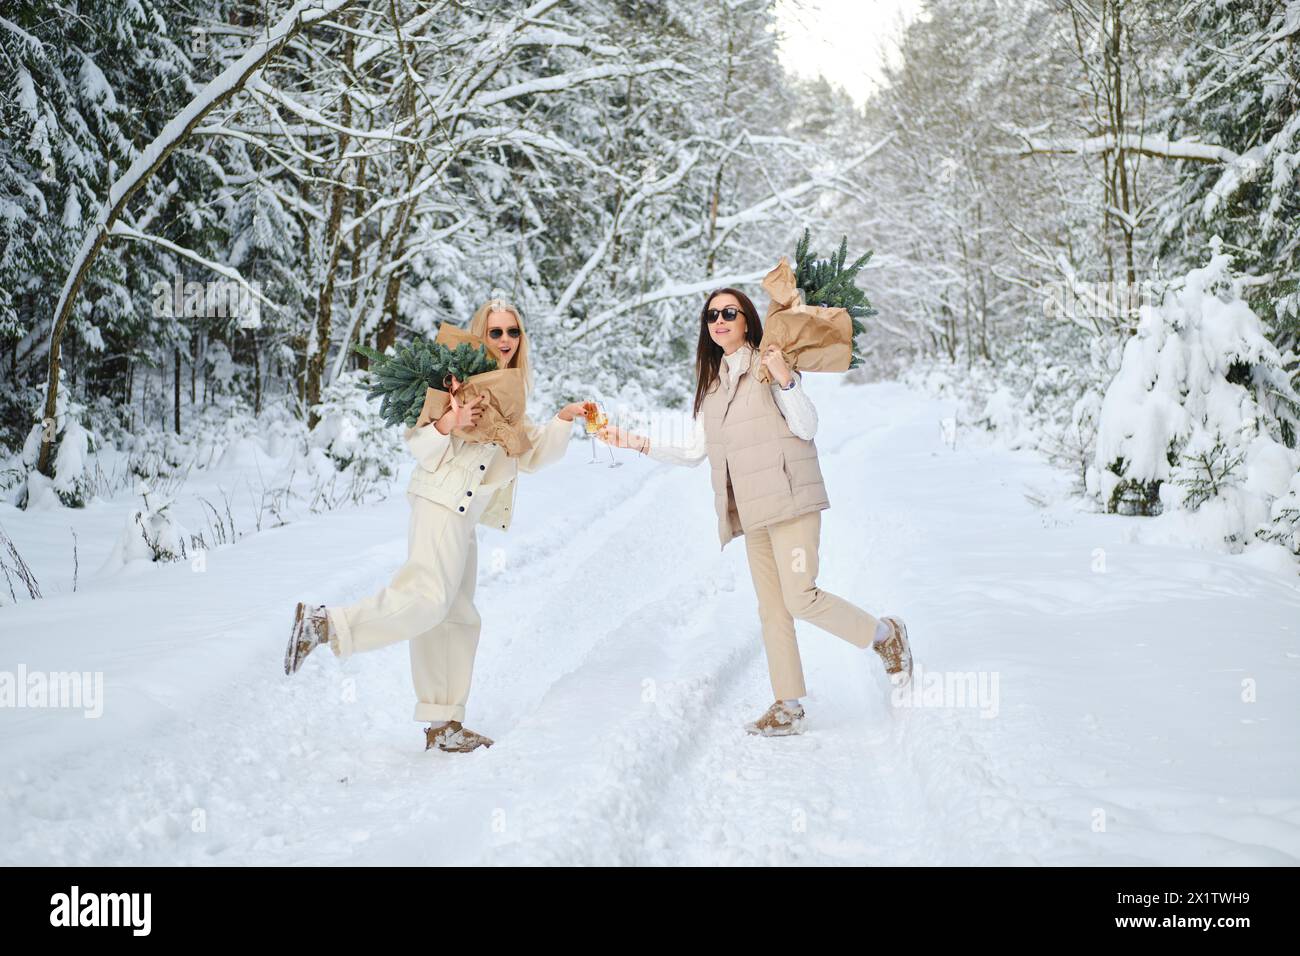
(621, 655)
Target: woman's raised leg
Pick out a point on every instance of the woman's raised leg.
(422, 591)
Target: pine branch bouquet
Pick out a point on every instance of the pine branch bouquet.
(414, 383)
(403, 378)
(817, 336)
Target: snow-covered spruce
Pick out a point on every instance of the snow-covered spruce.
(352, 432)
(1200, 417)
(1283, 526)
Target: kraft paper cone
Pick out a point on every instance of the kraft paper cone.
(503, 413)
(453, 335)
(811, 338)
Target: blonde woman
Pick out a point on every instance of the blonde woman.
(767, 486)
(430, 601)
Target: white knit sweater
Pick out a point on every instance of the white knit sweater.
(795, 405)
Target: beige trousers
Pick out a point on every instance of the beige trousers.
(783, 564)
(429, 604)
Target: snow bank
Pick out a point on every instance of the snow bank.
(151, 534)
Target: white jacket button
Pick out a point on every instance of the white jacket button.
(482, 467)
(461, 508)
(469, 494)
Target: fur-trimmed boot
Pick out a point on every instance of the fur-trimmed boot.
(779, 720)
(454, 738)
(311, 629)
(896, 652)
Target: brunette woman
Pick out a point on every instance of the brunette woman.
(767, 486)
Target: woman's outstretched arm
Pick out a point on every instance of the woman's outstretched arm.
(550, 441)
(691, 452)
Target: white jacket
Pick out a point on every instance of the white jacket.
(452, 470)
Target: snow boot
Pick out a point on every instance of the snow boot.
(454, 738)
(310, 630)
(896, 652)
(780, 720)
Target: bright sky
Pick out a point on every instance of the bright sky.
(844, 40)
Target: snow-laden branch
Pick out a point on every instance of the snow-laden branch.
(254, 140)
(518, 136)
(762, 210)
(629, 207)
(1160, 147)
(126, 232)
(672, 290)
(315, 118)
(489, 51)
(562, 81)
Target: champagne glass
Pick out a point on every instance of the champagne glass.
(589, 424)
(595, 421)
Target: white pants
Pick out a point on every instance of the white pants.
(429, 604)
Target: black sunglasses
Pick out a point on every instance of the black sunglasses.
(496, 333)
(729, 313)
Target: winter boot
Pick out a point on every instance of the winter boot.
(310, 630)
(896, 652)
(454, 738)
(780, 720)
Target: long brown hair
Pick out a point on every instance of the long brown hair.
(708, 353)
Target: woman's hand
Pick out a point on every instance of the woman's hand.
(774, 361)
(571, 411)
(621, 438)
(458, 415)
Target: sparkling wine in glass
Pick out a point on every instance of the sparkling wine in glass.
(595, 421)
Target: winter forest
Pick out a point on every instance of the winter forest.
(1076, 419)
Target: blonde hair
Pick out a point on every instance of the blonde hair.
(478, 325)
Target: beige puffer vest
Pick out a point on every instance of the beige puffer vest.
(762, 472)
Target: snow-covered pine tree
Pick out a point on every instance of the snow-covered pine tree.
(1283, 525)
(1235, 86)
(352, 434)
(1201, 416)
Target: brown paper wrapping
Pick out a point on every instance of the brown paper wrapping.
(453, 335)
(502, 420)
(811, 338)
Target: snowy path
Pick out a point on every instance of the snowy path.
(620, 656)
